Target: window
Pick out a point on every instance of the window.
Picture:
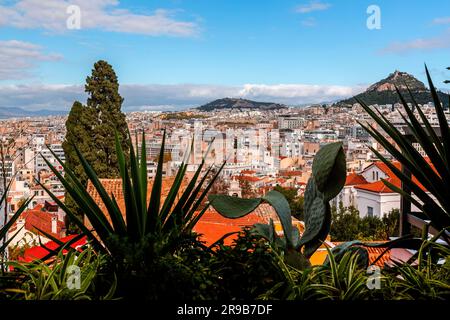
(370, 211)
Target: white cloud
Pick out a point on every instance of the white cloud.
(443, 20)
(310, 22)
(178, 96)
(18, 59)
(95, 14)
(312, 6)
(439, 42)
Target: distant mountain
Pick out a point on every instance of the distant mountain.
(8, 112)
(231, 103)
(383, 92)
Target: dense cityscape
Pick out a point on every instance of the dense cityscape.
(263, 149)
(217, 159)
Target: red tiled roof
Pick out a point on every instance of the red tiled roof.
(114, 186)
(374, 253)
(290, 173)
(39, 252)
(377, 186)
(212, 225)
(36, 218)
(354, 179)
(248, 178)
(380, 187)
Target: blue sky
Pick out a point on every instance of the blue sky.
(178, 53)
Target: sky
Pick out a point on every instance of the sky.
(173, 54)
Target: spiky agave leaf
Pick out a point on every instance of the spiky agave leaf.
(435, 179)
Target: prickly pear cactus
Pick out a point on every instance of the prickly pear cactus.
(327, 180)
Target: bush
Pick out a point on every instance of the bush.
(247, 268)
(296, 203)
(347, 225)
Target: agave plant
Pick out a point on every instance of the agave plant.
(342, 279)
(148, 229)
(70, 276)
(434, 174)
(328, 178)
(428, 279)
(4, 242)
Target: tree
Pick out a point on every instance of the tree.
(295, 201)
(91, 129)
(347, 225)
(247, 189)
(344, 223)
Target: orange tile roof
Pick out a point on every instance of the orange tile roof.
(354, 179)
(290, 173)
(374, 253)
(114, 187)
(40, 219)
(377, 186)
(248, 178)
(380, 187)
(212, 225)
(39, 252)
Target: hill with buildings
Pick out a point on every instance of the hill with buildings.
(383, 92)
(232, 103)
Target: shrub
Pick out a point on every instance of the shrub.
(152, 235)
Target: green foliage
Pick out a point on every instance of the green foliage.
(429, 279)
(58, 280)
(4, 242)
(344, 277)
(245, 269)
(91, 129)
(328, 178)
(246, 189)
(329, 169)
(151, 234)
(233, 103)
(7, 280)
(347, 225)
(391, 97)
(437, 180)
(339, 280)
(296, 203)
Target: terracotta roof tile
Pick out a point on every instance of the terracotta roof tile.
(380, 187)
(36, 218)
(354, 179)
(114, 187)
(39, 252)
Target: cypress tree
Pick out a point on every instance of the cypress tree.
(91, 129)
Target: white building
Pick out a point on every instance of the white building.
(367, 193)
(290, 122)
(40, 165)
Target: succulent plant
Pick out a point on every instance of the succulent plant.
(327, 180)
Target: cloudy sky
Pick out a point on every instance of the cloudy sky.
(172, 54)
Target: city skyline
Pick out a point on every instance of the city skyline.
(174, 54)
